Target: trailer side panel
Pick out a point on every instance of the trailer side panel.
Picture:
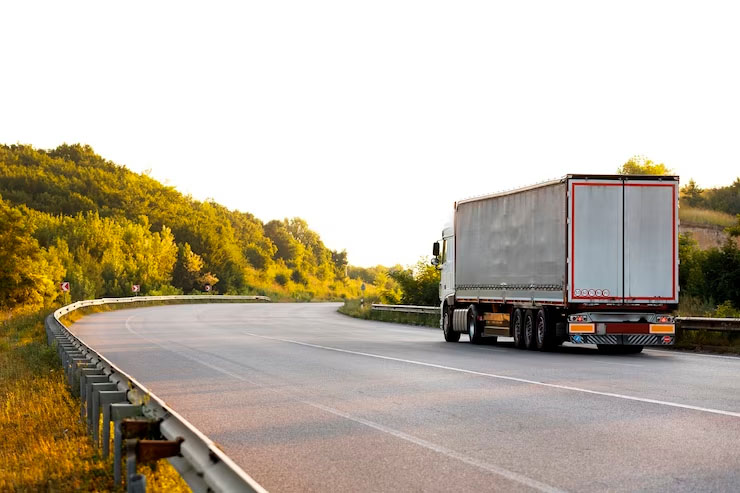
(513, 246)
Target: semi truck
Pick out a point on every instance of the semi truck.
(585, 259)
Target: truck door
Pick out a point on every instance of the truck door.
(447, 286)
(622, 241)
(596, 250)
(650, 243)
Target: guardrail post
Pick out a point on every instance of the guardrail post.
(108, 397)
(118, 413)
(95, 418)
(133, 429)
(137, 484)
(90, 380)
(130, 463)
(84, 374)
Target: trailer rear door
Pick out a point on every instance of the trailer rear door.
(650, 242)
(622, 241)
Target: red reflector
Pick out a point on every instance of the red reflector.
(663, 319)
(579, 318)
(666, 339)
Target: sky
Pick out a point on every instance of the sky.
(370, 119)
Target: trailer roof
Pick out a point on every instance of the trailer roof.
(564, 179)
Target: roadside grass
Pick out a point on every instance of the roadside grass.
(353, 309)
(705, 217)
(43, 445)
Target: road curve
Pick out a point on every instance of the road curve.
(306, 399)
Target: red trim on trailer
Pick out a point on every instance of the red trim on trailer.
(573, 237)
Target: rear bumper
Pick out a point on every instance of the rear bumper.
(625, 339)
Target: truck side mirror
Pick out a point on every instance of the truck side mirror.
(435, 249)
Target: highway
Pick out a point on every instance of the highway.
(307, 399)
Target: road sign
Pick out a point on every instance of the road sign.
(208, 288)
(135, 288)
(64, 286)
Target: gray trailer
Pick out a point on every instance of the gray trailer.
(589, 259)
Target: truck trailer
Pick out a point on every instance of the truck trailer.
(587, 259)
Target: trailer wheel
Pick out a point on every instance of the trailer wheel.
(517, 328)
(529, 330)
(474, 329)
(450, 335)
(543, 332)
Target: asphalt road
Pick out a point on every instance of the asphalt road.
(306, 399)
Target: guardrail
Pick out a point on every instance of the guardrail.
(683, 323)
(433, 310)
(144, 425)
(712, 324)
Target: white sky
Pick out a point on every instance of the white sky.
(369, 119)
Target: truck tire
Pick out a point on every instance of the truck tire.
(544, 337)
(517, 328)
(475, 331)
(450, 335)
(529, 330)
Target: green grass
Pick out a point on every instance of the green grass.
(43, 445)
(705, 217)
(353, 309)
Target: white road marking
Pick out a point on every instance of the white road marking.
(504, 377)
(440, 449)
(505, 473)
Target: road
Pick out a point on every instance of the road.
(306, 399)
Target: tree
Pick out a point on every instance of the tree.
(640, 165)
(187, 268)
(419, 285)
(691, 194)
(28, 274)
(339, 259)
(288, 248)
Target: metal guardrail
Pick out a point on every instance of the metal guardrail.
(433, 310)
(683, 323)
(144, 425)
(711, 324)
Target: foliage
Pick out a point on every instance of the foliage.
(640, 165)
(712, 275)
(28, 273)
(734, 230)
(722, 199)
(110, 228)
(691, 194)
(420, 285)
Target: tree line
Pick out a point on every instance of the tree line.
(68, 214)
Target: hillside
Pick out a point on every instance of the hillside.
(81, 218)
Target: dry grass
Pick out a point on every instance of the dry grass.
(44, 446)
(705, 217)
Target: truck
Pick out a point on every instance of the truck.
(585, 259)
